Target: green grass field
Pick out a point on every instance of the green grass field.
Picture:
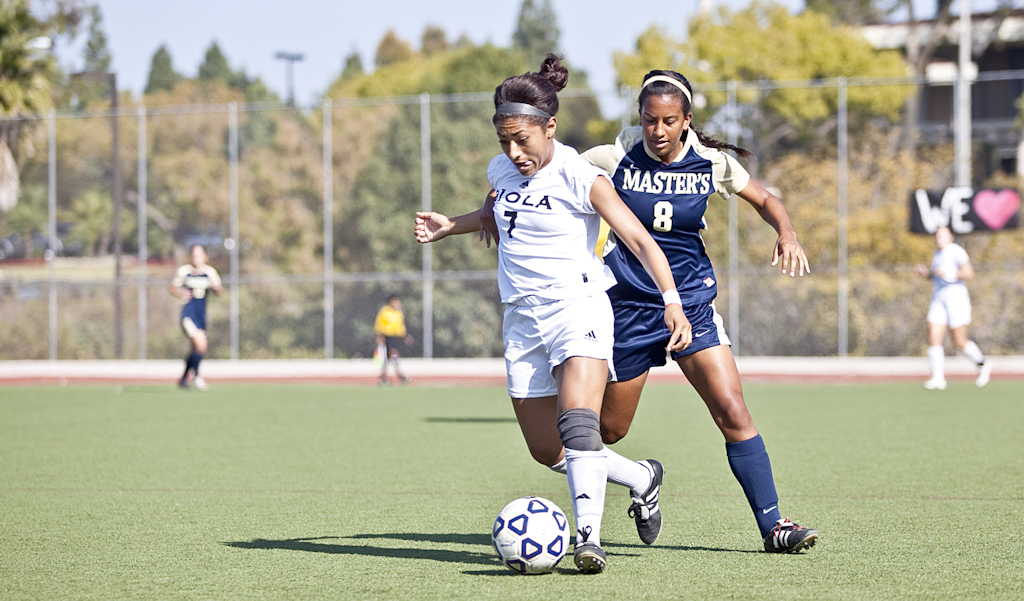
(323, 492)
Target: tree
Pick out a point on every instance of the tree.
(97, 55)
(25, 76)
(536, 31)
(215, 67)
(25, 72)
(764, 42)
(392, 49)
(162, 75)
(97, 60)
(854, 12)
(353, 67)
(433, 41)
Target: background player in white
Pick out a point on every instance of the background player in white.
(950, 307)
(191, 284)
(557, 326)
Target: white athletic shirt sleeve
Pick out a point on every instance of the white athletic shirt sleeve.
(727, 174)
(548, 228)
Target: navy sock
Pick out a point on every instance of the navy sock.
(193, 361)
(749, 462)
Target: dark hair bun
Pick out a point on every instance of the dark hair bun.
(554, 71)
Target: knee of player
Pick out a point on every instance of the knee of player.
(547, 457)
(580, 430)
(733, 413)
(613, 433)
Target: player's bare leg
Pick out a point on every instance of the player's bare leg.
(199, 344)
(969, 349)
(714, 375)
(620, 402)
(937, 356)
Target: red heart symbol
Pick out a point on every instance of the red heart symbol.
(996, 208)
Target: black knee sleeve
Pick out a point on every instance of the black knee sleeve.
(580, 430)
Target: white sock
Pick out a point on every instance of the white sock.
(628, 473)
(973, 353)
(588, 475)
(621, 471)
(936, 358)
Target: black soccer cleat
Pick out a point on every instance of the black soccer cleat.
(645, 510)
(787, 537)
(589, 558)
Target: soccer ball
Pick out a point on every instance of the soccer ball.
(530, 535)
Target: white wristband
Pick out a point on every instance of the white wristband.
(671, 297)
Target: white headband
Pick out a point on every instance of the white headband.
(670, 80)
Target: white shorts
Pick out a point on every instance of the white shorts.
(951, 306)
(540, 338)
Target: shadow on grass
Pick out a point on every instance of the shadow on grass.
(487, 558)
(314, 545)
(608, 545)
(470, 420)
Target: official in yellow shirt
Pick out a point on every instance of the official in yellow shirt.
(390, 330)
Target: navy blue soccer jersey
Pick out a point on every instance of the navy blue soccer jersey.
(199, 285)
(670, 200)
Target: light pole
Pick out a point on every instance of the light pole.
(290, 59)
(116, 193)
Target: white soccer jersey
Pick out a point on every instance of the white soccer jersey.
(948, 260)
(547, 229)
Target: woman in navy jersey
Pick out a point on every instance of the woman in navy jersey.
(191, 284)
(665, 171)
(557, 324)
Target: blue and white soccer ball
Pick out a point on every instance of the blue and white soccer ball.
(530, 535)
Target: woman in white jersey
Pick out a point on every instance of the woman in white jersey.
(666, 172)
(557, 326)
(950, 307)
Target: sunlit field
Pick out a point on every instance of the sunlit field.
(323, 492)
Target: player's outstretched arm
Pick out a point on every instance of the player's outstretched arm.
(488, 226)
(787, 249)
(431, 227)
(629, 231)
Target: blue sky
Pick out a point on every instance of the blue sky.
(251, 31)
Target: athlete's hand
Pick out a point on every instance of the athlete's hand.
(488, 227)
(682, 332)
(431, 227)
(791, 254)
(922, 270)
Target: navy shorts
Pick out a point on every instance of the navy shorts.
(641, 336)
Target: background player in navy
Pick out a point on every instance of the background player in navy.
(665, 171)
(191, 284)
(557, 325)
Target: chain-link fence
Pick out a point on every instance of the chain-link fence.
(248, 182)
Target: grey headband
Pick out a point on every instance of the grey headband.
(520, 108)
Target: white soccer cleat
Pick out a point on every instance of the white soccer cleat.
(935, 384)
(984, 373)
(200, 384)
